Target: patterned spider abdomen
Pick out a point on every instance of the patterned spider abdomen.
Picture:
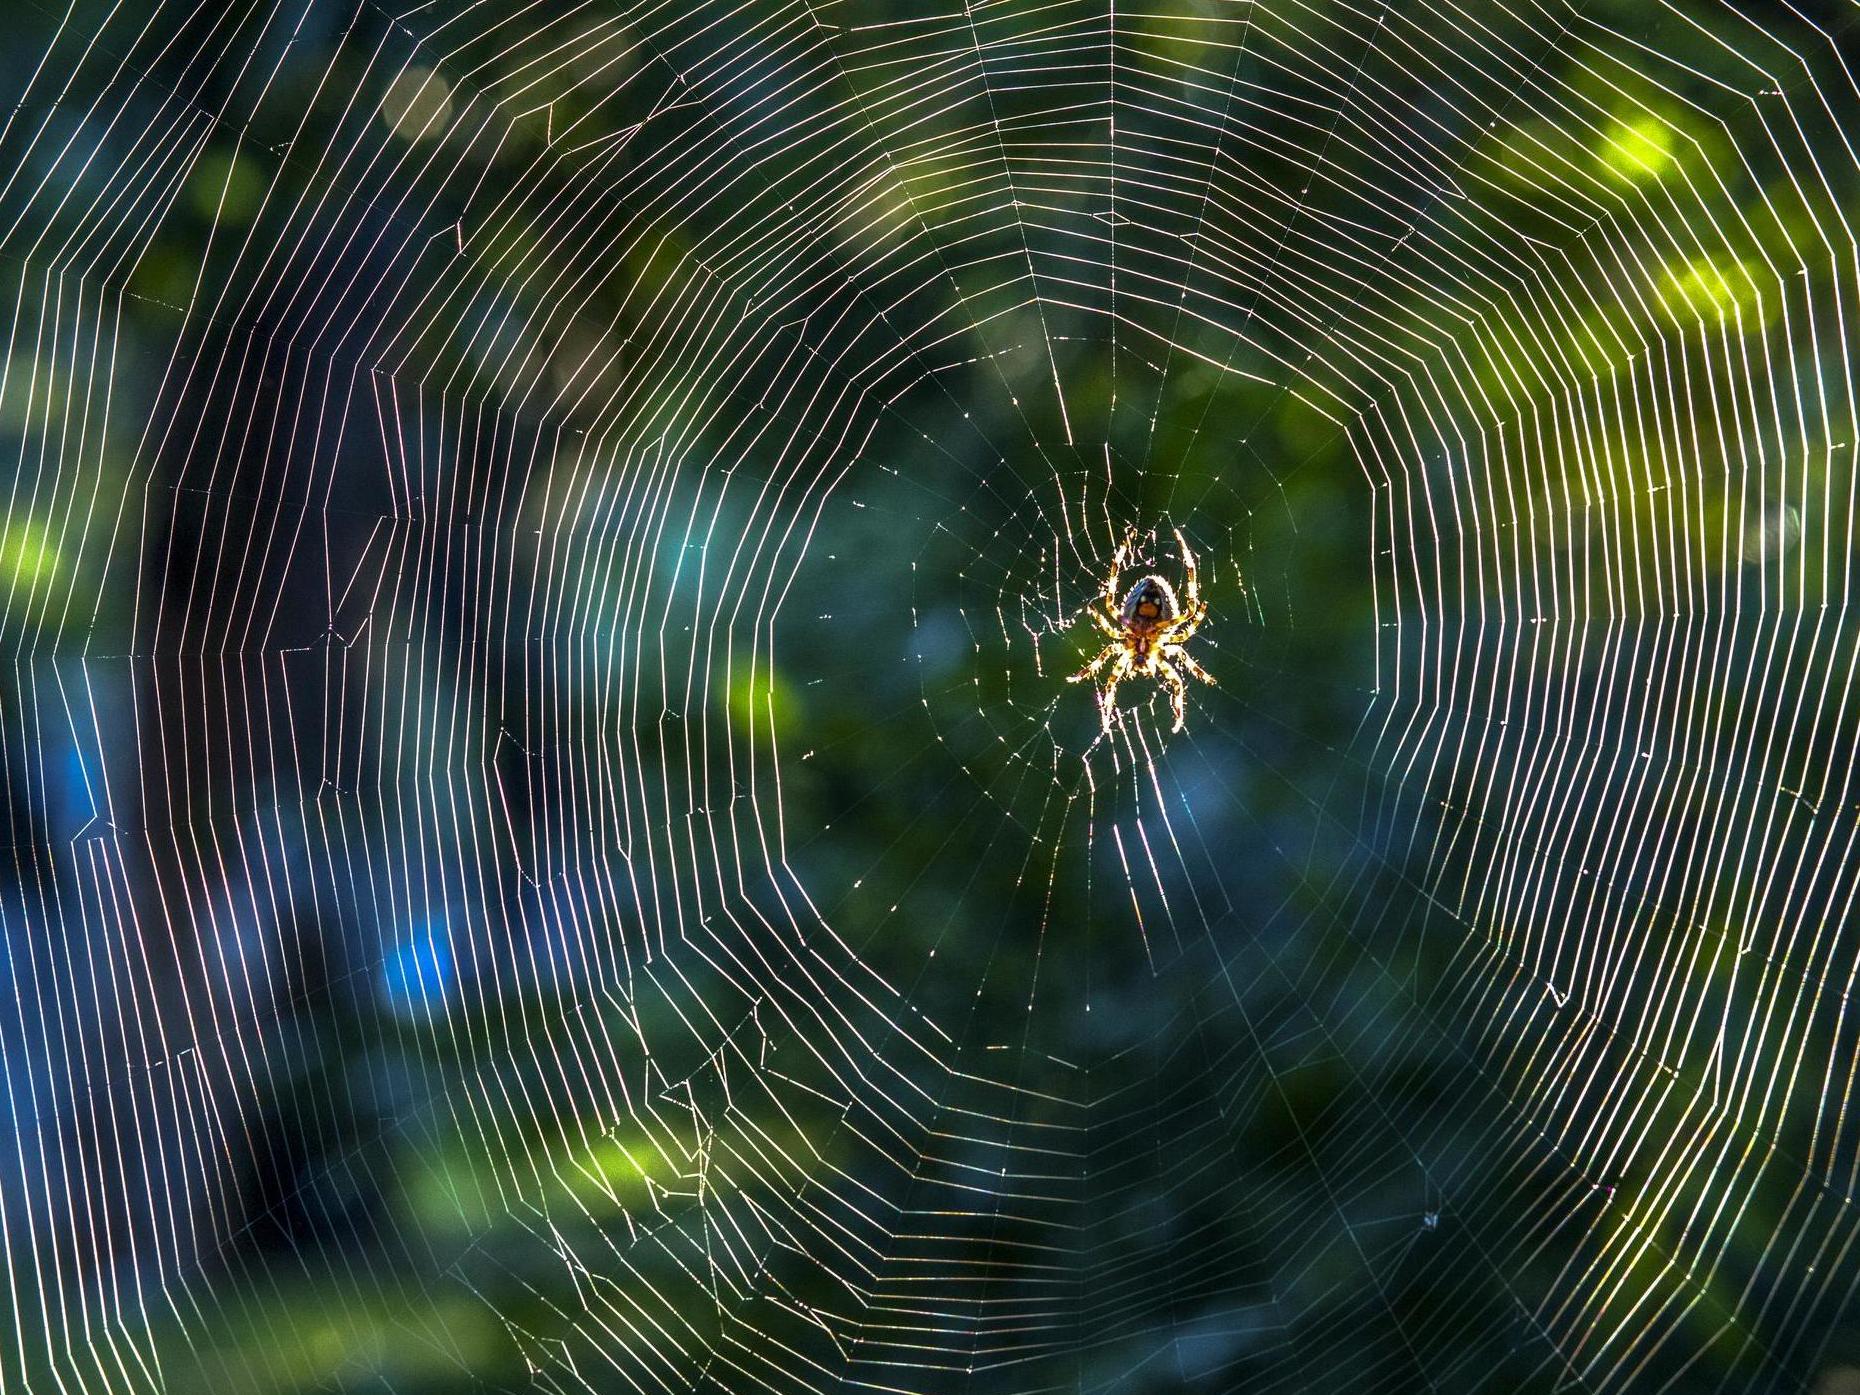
(1150, 604)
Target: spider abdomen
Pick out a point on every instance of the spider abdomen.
(1150, 605)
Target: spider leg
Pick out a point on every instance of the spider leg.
(1179, 655)
(1194, 609)
(1191, 590)
(1185, 627)
(1178, 691)
(1091, 669)
(1107, 695)
(1114, 603)
(1121, 558)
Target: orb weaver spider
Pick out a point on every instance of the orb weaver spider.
(1147, 630)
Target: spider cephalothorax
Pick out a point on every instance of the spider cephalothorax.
(1147, 630)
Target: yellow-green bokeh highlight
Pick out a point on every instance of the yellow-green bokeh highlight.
(758, 698)
(456, 1191)
(226, 188)
(29, 556)
(1704, 289)
(1639, 147)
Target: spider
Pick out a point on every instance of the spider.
(1147, 631)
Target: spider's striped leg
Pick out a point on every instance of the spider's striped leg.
(1191, 590)
(1091, 669)
(1177, 654)
(1184, 629)
(1178, 691)
(1107, 695)
(1114, 603)
(1104, 616)
(1194, 609)
(1119, 560)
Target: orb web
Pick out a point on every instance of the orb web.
(552, 847)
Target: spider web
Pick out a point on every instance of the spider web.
(552, 848)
